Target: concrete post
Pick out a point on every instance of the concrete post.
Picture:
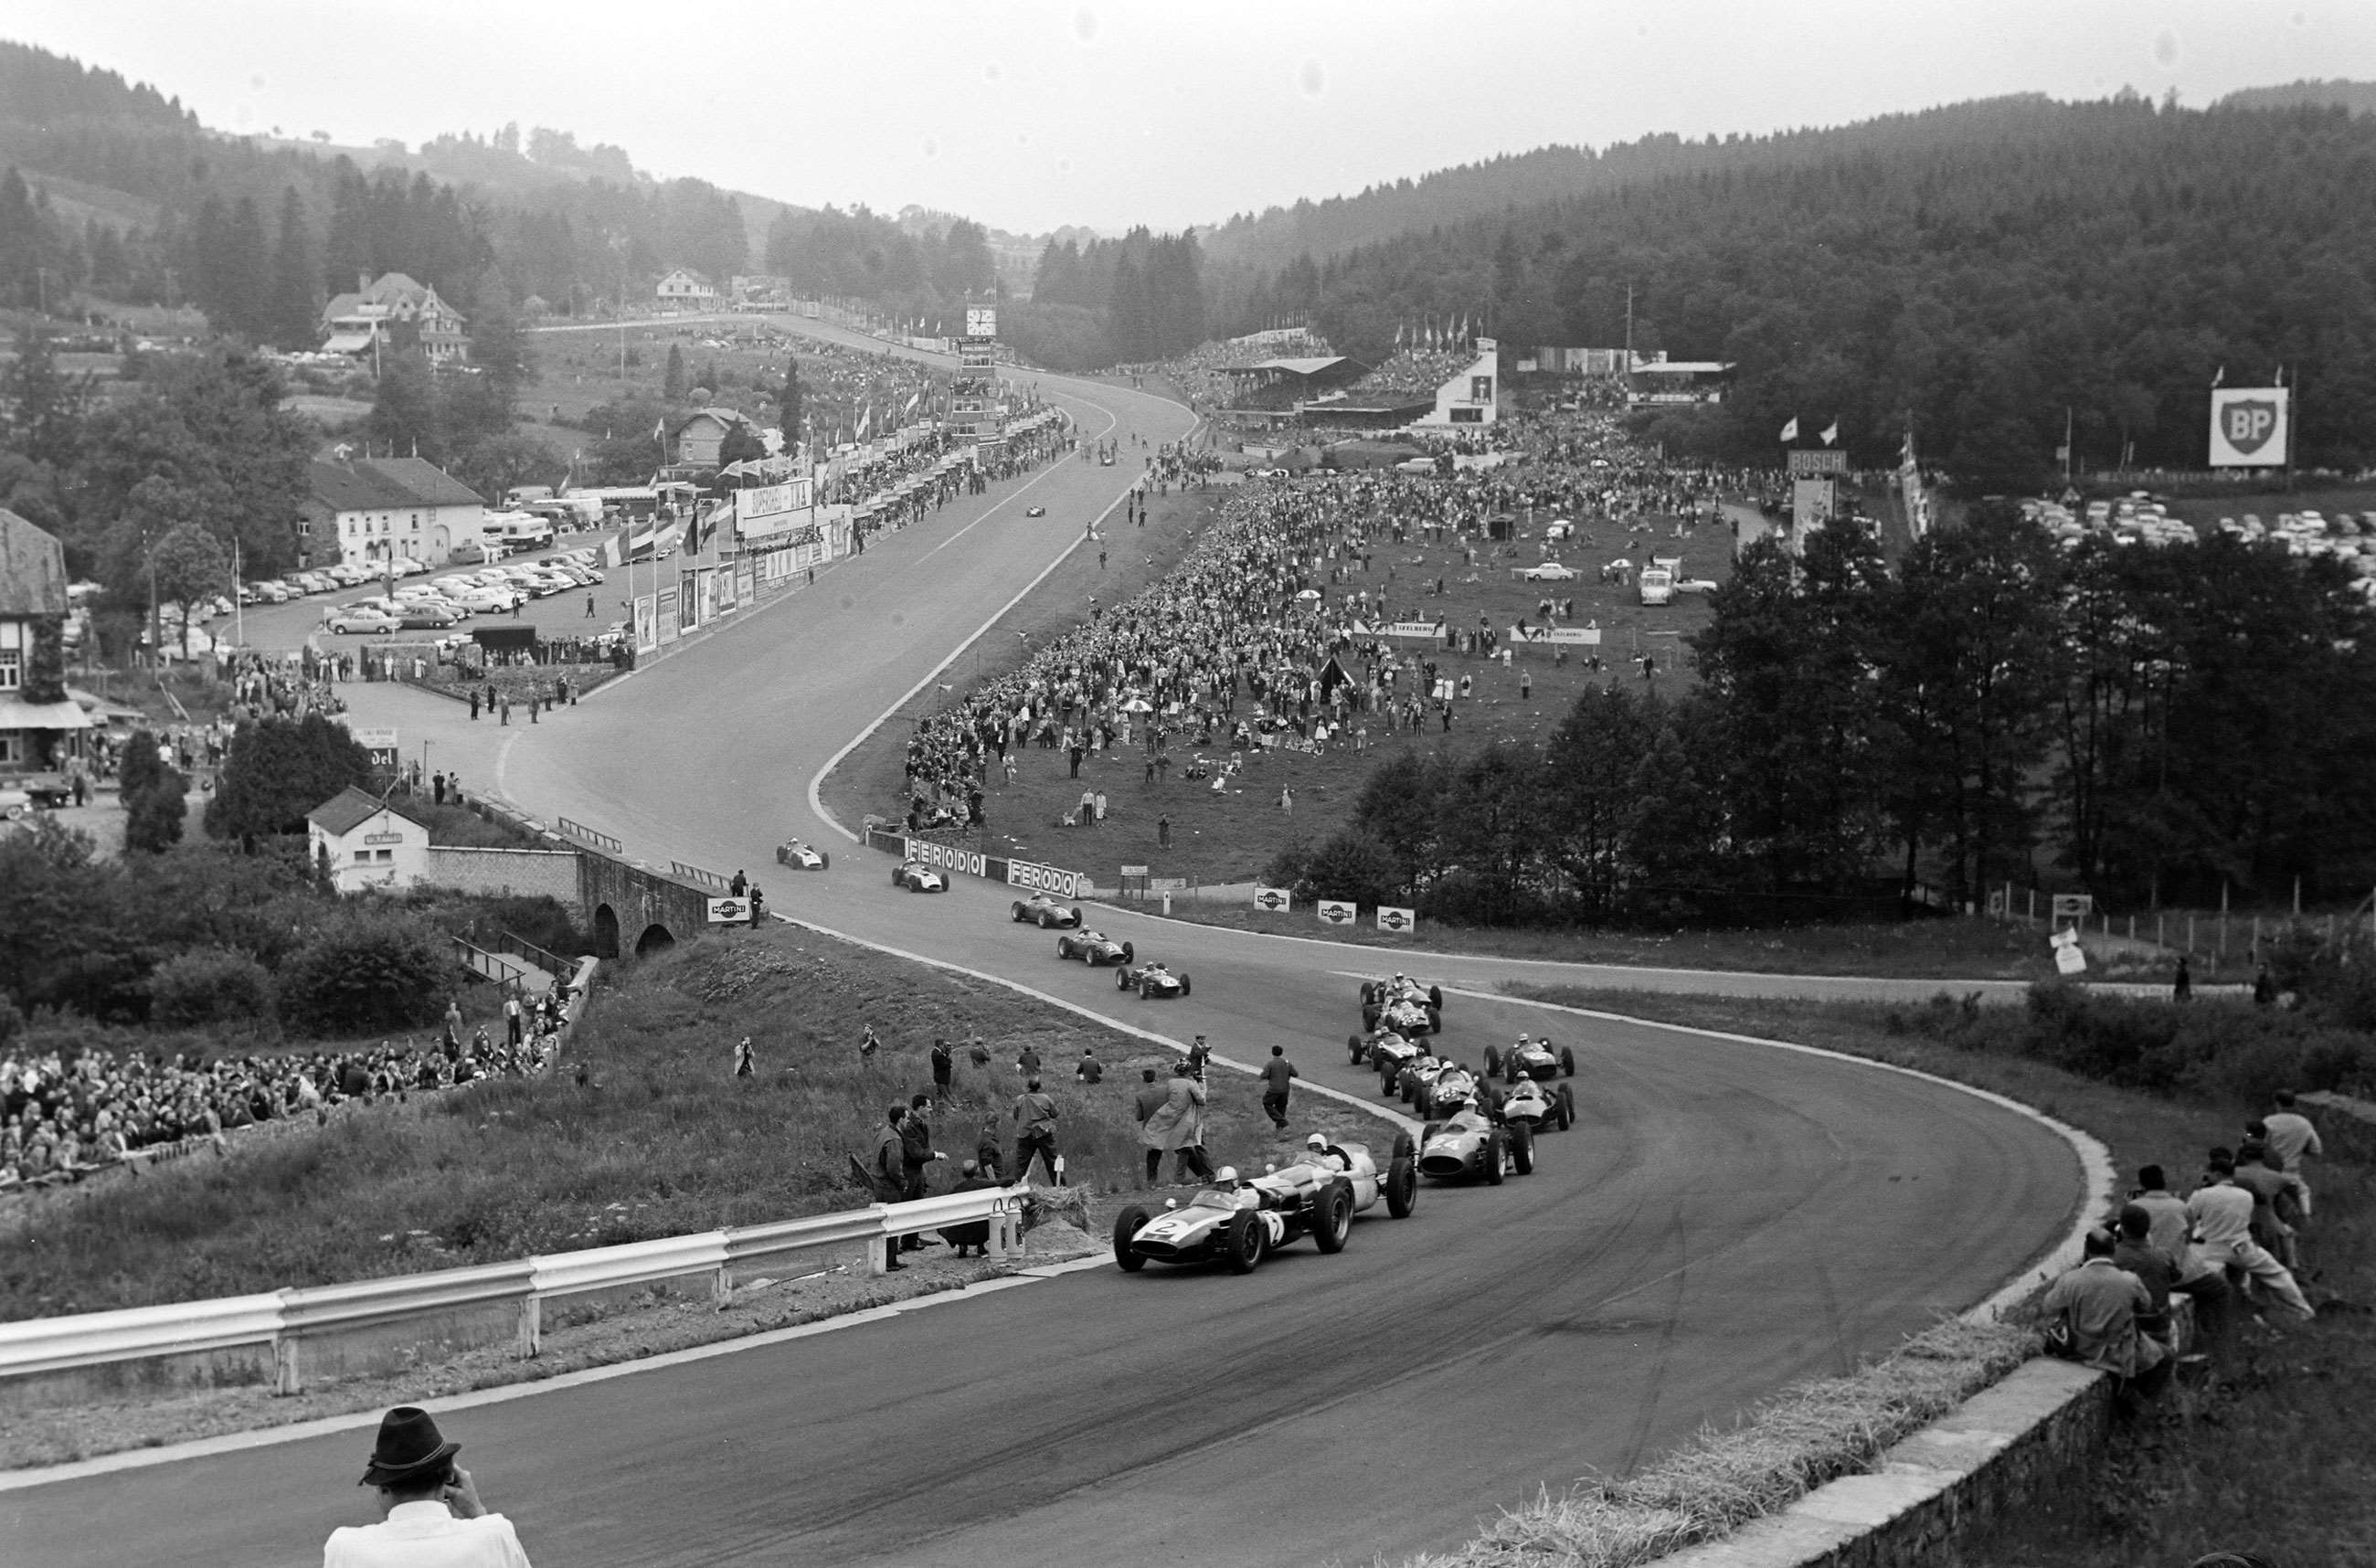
(287, 1377)
(721, 1287)
(531, 1327)
(878, 1255)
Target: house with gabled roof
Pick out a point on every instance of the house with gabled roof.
(365, 843)
(364, 511)
(39, 722)
(357, 323)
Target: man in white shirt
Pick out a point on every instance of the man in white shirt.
(431, 1514)
(2222, 1213)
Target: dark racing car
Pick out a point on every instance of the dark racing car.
(1403, 1005)
(1531, 1059)
(1045, 913)
(1152, 981)
(1095, 947)
(1470, 1145)
(1545, 1106)
(1241, 1222)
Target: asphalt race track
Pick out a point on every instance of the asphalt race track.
(1726, 1217)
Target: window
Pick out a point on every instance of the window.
(362, 857)
(12, 669)
(1480, 388)
(12, 746)
(388, 854)
(1468, 416)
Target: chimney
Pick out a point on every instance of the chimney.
(362, 282)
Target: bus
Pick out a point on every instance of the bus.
(1658, 585)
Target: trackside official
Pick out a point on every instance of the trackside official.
(431, 1516)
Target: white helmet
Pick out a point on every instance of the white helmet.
(1316, 1142)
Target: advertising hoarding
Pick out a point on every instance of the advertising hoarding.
(2249, 426)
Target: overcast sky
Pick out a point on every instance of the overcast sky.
(1029, 114)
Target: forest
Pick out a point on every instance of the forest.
(2167, 726)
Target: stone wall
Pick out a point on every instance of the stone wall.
(551, 873)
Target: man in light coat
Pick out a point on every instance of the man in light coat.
(1177, 1125)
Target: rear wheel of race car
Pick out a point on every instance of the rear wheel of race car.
(1184, 985)
(1122, 979)
(1244, 1242)
(1435, 999)
(1046, 923)
(1129, 954)
(1369, 1016)
(1492, 1062)
(1567, 1061)
(895, 879)
(1077, 914)
(1493, 1146)
(1332, 1217)
(1516, 1070)
(1566, 1108)
(1015, 910)
(1385, 1082)
(1521, 1148)
(1353, 1048)
(1367, 993)
(1127, 1225)
(1402, 1184)
(1435, 1020)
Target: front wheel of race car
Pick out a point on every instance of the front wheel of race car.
(1494, 1148)
(895, 879)
(1127, 1225)
(1435, 1020)
(1492, 1062)
(1077, 914)
(1435, 999)
(1369, 1016)
(1242, 1243)
(1122, 979)
(1567, 1061)
(825, 860)
(1366, 989)
(1184, 985)
(1129, 954)
(1402, 1184)
(1015, 910)
(1353, 1048)
(1521, 1148)
(1332, 1217)
(1385, 1082)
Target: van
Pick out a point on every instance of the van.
(520, 530)
(1658, 585)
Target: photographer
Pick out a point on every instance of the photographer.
(431, 1516)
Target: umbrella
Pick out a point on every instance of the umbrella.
(1309, 593)
(1138, 705)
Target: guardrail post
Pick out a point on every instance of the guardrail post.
(878, 1252)
(721, 1287)
(288, 1376)
(531, 1327)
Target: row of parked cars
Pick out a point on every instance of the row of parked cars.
(436, 605)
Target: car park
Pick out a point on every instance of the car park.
(1241, 1222)
(919, 878)
(801, 855)
(1093, 947)
(269, 591)
(1153, 981)
(417, 617)
(1471, 1146)
(1045, 913)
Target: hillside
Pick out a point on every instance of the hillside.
(2357, 96)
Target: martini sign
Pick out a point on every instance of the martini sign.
(2248, 426)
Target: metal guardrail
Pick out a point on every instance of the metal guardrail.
(599, 841)
(283, 1319)
(699, 876)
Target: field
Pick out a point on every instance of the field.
(1229, 836)
(2269, 1454)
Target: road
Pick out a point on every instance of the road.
(1726, 1217)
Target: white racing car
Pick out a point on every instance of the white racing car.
(801, 856)
(1241, 1222)
(917, 877)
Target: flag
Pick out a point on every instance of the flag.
(912, 401)
(1398, 334)
(1831, 432)
(1790, 430)
(864, 420)
(659, 430)
(2219, 376)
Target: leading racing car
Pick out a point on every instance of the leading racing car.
(1531, 1059)
(1240, 1222)
(1046, 913)
(1403, 1005)
(1152, 981)
(1470, 1145)
(802, 856)
(1094, 947)
(917, 877)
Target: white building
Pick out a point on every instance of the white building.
(358, 323)
(1471, 396)
(686, 287)
(362, 511)
(367, 843)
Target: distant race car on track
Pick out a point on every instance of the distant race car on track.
(1531, 1059)
(1454, 1088)
(1470, 1145)
(917, 878)
(801, 856)
(1241, 1222)
(1094, 947)
(1151, 982)
(1391, 1053)
(1046, 913)
(1037, 512)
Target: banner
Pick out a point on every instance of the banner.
(647, 630)
(1333, 912)
(1391, 918)
(766, 510)
(1573, 637)
(1427, 631)
(1052, 880)
(2248, 426)
(729, 912)
(666, 605)
(948, 857)
(1275, 899)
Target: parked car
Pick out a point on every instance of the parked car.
(369, 622)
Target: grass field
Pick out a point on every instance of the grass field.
(1230, 837)
(664, 1140)
(2270, 1456)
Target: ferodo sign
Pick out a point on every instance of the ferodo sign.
(1051, 880)
(948, 857)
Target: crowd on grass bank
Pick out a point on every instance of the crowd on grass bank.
(1268, 633)
(2232, 1245)
(63, 1116)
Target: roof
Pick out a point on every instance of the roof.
(727, 419)
(16, 713)
(376, 483)
(1681, 367)
(348, 342)
(32, 569)
(1313, 366)
(351, 808)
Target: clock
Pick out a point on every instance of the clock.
(981, 321)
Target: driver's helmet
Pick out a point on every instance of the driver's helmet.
(1399, 976)
(1316, 1142)
(1521, 1042)
(1226, 1176)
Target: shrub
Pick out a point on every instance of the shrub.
(367, 970)
(139, 768)
(153, 816)
(1352, 865)
(210, 985)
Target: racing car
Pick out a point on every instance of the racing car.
(1531, 1059)
(1240, 1222)
(1036, 512)
(1046, 913)
(1416, 1076)
(1545, 1107)
(1453, 1088)
(1470, 1145)
(801, 856)
(1403, 1005)
(1095, 946)
(917, 878)
(1151, 980)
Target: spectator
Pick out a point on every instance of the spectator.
(985, 1148)
(2279, 1201)
(973, 1234)
(887, 1175)
(1027, 1061)
(1035, 1132)
(943, 1067)
(868, 1044)
(1198, 1054)
(1276, 1074)
(1088, 1070)
(2222, 1213)
(917, 1153)
(977, 1049)
(743, 1067)
(1177, 1125)
(2091, 1314)
(430, 1509)
(2171, 1229)
(2182, 988)
(1151, 1097)
(2292, 1138)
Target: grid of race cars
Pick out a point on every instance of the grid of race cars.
(1479, 1124)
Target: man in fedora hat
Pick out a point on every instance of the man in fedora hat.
(431, 1514)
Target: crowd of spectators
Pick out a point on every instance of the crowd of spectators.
(1417, 372)
(63, 1116)
(1196, 374)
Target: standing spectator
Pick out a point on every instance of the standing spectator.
(1151, 1095)
(430, 1511)
(1163, 832)
(917, 1152)
(2182, 988)
(888, 1176)
(454, 1029)
(1027, 1061)
(868, 1044)
(977, 1050)
(1177, 1125)
(2280, 1202)
(737, 884)
(985, 1147)
(2096, 1308)
(1198, 1054)
(512, 1020)
(1101, 808)
(2170, 1228)
(2291, 1136)
(1035, 1131)
(943, 1067)
(1276, 1074)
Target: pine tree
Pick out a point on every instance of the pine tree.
(672, 378)
(788, 406)
(295, 309)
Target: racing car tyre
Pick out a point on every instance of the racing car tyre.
(1369, 1016)
(1366, 989)
(1015, 910)
(1521, 1148)
(1431, 1130)
(1492, 1062)
(1566, 1108)
(1493, 1159)
(1567, 1061)
(1184, 985)
(1129, 954)
(1243, 1242)
(1332, 1219)
(825, 860)
(1122, 979)
(1435, 999)
(1404, 1148)
(1127, 1225)
(1077, 914)
(1402, 1184)
(1435, 1020)
(1385, 1082)
(1353, 1048)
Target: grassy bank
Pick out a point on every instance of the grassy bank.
(660, 1142)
